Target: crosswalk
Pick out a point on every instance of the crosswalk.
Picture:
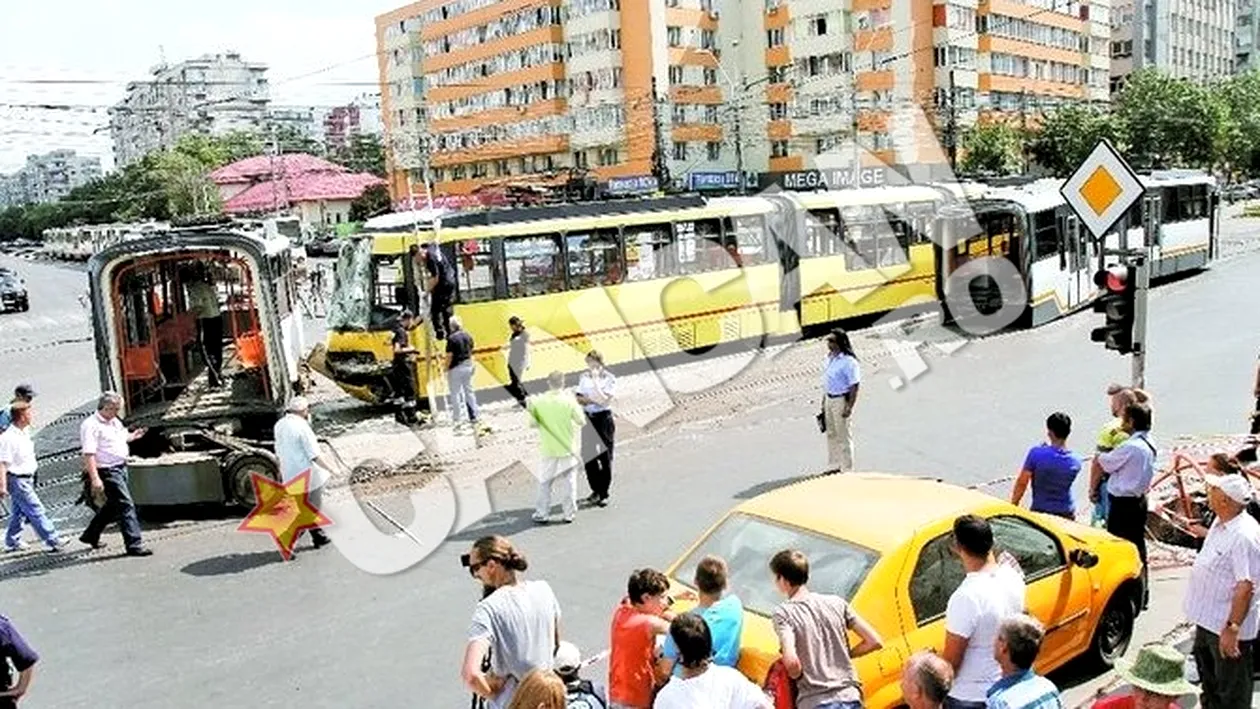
(71, 320)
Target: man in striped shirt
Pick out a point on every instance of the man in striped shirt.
(1221, 599)
(1018, 642)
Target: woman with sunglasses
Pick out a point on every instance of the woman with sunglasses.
(516, 621)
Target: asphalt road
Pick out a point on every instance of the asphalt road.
(214, 619)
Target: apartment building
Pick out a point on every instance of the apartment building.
(48, 178)
(1246, 37)
(483, 91)
(1189, 39)
(212, 94)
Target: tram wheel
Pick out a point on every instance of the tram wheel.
(238, 474)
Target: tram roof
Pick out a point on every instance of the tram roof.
(868, 196)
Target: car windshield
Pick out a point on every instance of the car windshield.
(747, 544)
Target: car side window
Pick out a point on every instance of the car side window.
(1037, 551)
(936, 575)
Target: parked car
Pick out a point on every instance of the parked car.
(883, 543)
(13, 293)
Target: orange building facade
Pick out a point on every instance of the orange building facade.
(485, 92)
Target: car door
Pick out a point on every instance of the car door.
(1058, 592)
(934, 572)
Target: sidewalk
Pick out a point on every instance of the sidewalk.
(1162, 623)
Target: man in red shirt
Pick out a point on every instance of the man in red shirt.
(642, 617)
(1158, 679)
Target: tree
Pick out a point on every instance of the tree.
(363, 153)
(992, 147)
(1170, 122)
(289, 139)
(373, 202)
(1067, 135)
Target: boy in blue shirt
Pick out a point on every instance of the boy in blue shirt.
(1051, 468)
(723, 615)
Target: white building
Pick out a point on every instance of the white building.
(213, 94)
(1246, 34)
(1190, 39)
(48, 178)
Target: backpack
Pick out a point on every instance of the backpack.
(581, 695)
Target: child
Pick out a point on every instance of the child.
(642, 618)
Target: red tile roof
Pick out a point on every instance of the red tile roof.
(311, 187)
(262, 167)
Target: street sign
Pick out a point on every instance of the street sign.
(637, 184)
(1102, 189)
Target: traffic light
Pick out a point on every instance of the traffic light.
(1118, 286)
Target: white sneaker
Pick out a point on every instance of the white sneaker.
(20, 546)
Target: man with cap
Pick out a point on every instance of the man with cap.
(17, 481)
(297, 447)
(1158, 678)
(581, 693)
(1221, 600)
(23, 392)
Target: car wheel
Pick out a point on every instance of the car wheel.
(1114, 630)
(238, 472)
(26, 305)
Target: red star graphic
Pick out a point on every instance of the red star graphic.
(283, 510)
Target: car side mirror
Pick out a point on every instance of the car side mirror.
(1083, 558)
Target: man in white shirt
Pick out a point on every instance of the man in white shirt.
(704, 685)
(1221, 600)
(989, 594)
(105, 444)
(203, 301)
(17, 481)
(297, 447)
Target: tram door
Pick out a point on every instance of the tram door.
(1079, 260)
(977, 239)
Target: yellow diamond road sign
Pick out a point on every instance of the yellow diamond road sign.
(1102, 189)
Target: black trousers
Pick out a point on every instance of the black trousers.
(212, 345)
(1126, 518)
(118, 506)
(597, 451)
(318, 535)
(440, 312)
(1224, 682)
(515, 388)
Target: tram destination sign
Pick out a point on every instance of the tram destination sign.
(1102, 189)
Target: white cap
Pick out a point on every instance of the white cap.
(299, 404)
(568, 657)
(1236, 487)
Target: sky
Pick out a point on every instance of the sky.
(320, 52)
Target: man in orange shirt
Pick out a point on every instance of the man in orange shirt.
(1158, 677)
(642, 617)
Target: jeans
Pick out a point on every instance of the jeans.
(1225, 683)
(951, 703)
(597, 451)
(26, 505)
(118, 506)
(463, 398)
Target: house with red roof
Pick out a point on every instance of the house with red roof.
(318, 192)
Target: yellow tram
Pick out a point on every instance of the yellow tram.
(639, 280)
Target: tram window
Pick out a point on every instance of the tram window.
(749, 235)
(825, 233)
(700, 247)
(280, 267)
(919, 218)
(648, 252)
(894, 241)
(1185, 203)
(534, 265)
(389, 289)
(1134, 215)
(1046, 235)
(475, 267)
(594, 258)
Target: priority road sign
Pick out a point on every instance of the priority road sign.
(1102, 189)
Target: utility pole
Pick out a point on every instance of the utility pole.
(1023, 128)
(739, 134)
(951, 126)
(660, 166)
(1142, 270)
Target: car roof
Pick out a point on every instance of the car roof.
(877, 511)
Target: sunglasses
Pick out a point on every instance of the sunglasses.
(473, 568)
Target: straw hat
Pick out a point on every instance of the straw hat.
(1158, 669)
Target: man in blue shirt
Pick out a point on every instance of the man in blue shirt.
(23, 392)
(723, 615)
(15, 652)
(1051, 468)
(1018, 642)
(1131, 469)
(841, 379)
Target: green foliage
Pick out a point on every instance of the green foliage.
(363, 153)
(373, 202)
(995, 147)
(1067, 136)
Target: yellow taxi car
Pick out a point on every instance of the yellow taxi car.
(883, 543)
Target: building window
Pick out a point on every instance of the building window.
(714, 151)
(779, 149)
(580, 161)
(711, 114)
(680, 113)
(778, 111)
(774, 38)
(675, 75)
(710, 76)
(818, 26)
(707, 39)
(777, 74)
(680, 151)
(608, 157)
(674, 36)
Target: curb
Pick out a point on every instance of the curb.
(1173, 637)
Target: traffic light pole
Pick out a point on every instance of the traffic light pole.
(1141, 267)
